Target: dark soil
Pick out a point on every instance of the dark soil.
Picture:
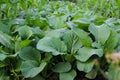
(80, 76)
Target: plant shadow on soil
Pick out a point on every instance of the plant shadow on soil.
(80, 76)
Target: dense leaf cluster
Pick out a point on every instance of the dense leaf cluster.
(41, 39)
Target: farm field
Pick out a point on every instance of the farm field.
(59, 39)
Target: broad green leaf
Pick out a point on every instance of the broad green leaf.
(19, 21)
(25, 32)
(55, 33)
(83, 36)
(82, 22)
(29, 53)
(85, 53)
(101, 33)
(92, 74)
(72, 41)
(68, 75)
(85, 66)
(4, 28)
(111, 21)
(62, 67)
(31, 68)
(52, 44)
(96, 45)
(37, 31)
(6, 40)
(56, 22)
(111, 42)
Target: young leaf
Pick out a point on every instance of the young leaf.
(54, 45)
(68, 76)
(29, 53)
(83, 36)
(72, 41)
(24, 43)
(62, 67)
(31, 68)
(85, 53)
(25, 32)
(85, 66)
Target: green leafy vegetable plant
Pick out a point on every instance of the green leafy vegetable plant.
(46, 40)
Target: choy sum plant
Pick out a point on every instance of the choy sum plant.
(44, 40)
